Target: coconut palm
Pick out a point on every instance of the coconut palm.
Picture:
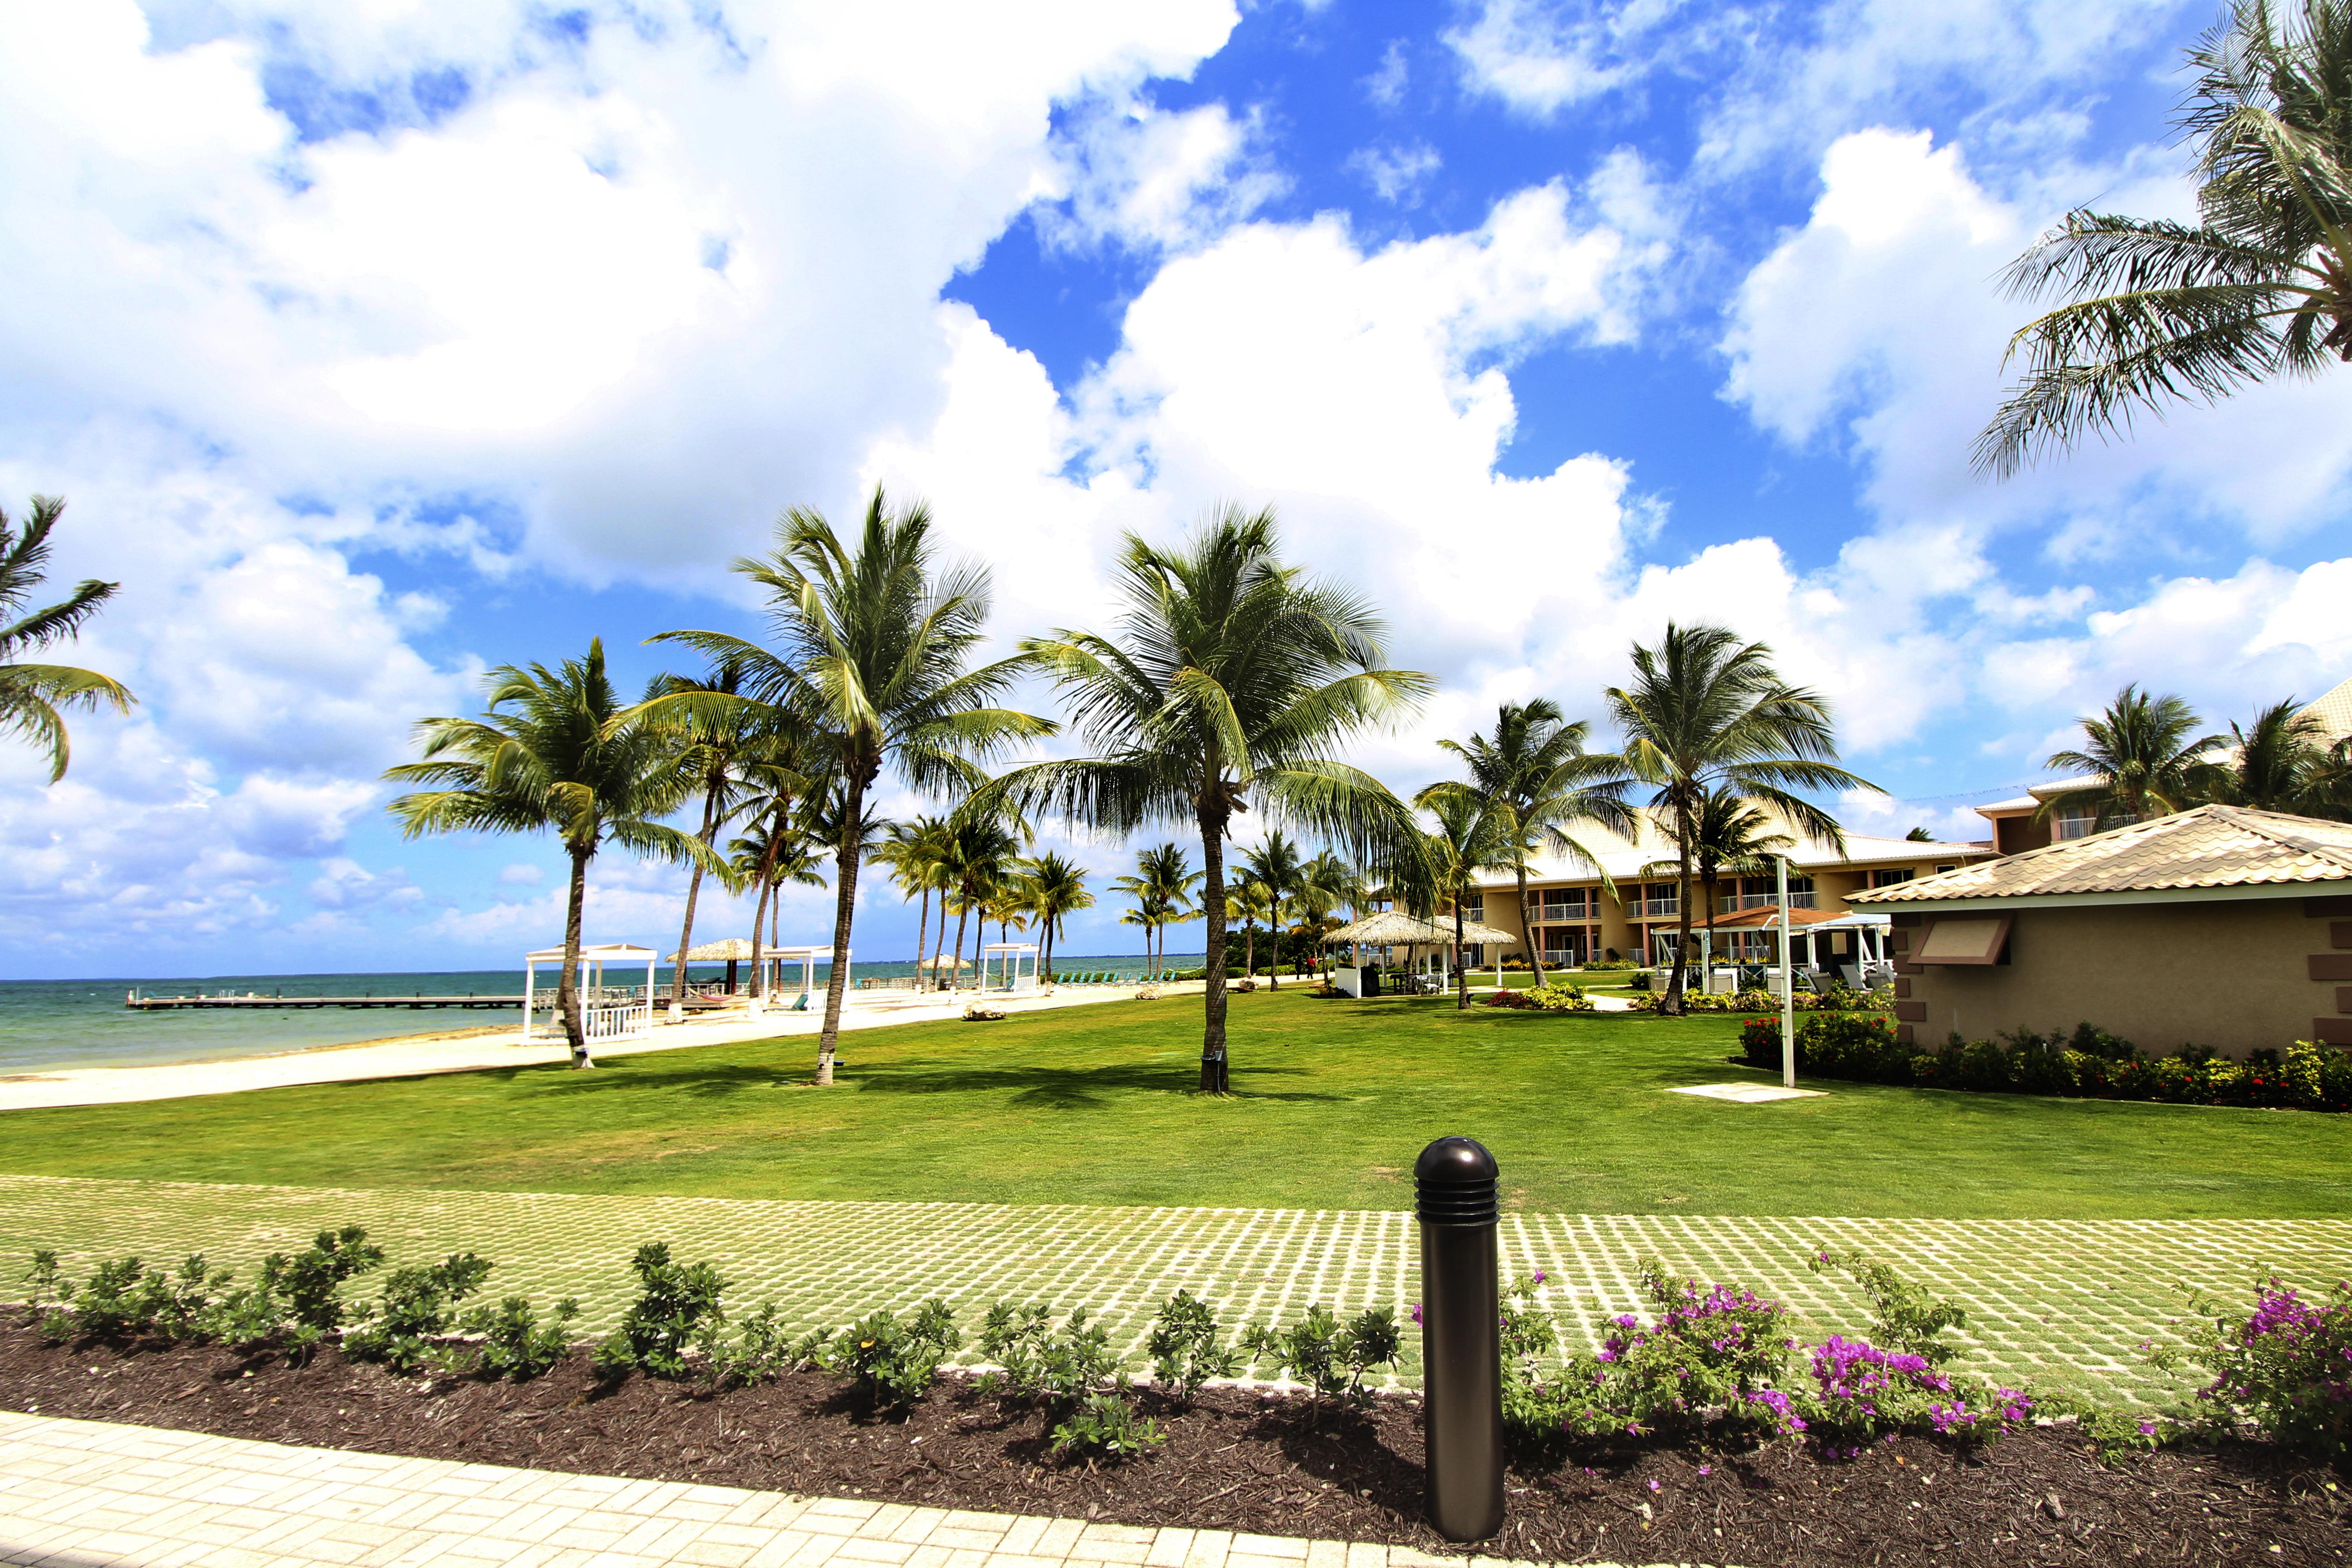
(1729, 834)
(742, 752)
(874, 641)
(2281, 762)
(786, 843)
(915, 855)
(1162, 888)
(553, 750)
(1276, 863)
(1250, 901)
(1541, 781)
(2144, 756)
(1474, 834)
(1230, 675)
(980, 855)
(1052, 888)
(1708, 712)
(2159, 312)
(33, 698)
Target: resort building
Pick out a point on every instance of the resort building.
(2219, 927)
(1576, 918)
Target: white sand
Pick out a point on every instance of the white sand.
(474, 1050)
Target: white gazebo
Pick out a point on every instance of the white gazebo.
(808, 958)
(606, 1012)
(1010, 958)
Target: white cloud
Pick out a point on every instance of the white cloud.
(1396, 173)
(1152, 179)
(1385, 87)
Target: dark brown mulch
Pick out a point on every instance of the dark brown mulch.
(1246, 1461)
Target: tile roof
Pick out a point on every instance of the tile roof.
(1625, 861)
(2212, 847)
(2333, 710)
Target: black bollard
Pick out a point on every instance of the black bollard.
(1461, 1338)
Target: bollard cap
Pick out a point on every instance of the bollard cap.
(1454, 1183)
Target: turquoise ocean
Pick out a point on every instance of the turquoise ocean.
(50, 1024)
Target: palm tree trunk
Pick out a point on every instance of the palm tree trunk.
(1274, 968)
(964, 921)
(1045, 964)
(1526, 930)
(693, 891)
(1672, 1003)
(922, 934)
(1216, 1076)
(844, 910)
(939, 940)
(1461, 975)
(1249, 948)
(567, 990)
(759, 938)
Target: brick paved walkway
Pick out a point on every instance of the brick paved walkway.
(77, 1494)
(2066, 1303)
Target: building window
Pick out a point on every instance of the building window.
(1662, 898)
(2075, 820)
(1763, 893)
(1941, 870)
(1890, 876)
(1474, 908)
(1564, 904)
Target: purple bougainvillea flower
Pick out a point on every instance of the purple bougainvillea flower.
(1654, 1486)
(1706, 1469)
(2147, 1428)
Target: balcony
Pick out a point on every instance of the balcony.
(1655, 908)
(1798, 899)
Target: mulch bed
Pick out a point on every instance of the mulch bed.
(1244, 1460)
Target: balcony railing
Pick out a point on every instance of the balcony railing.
(1564, 913)
(1796, 901)
(1652, 908)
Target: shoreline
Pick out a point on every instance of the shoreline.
(494, 1047)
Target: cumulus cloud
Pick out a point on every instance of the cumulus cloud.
(1150, 179)
(1396, 173)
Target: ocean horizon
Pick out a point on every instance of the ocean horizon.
(47, 1025)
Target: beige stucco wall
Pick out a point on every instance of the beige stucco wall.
(2232, 974)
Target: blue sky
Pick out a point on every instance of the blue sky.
(375, 345)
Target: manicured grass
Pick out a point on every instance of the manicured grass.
(1333, 1100)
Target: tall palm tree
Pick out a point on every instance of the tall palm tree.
(1052, 888)
(2159, 312)
(1162, 888)
(742, 752)
(2281, 762)
(1538, 778)
(1706, 713)
(1729, 834)
(1249, 901)
(1231, 674)
(33, 697)
(555, 750)
(783, 844)
(1474, 835)
(980, 852)
(914, 854)
(1276, 863)
(2144, 756)
(875, 641)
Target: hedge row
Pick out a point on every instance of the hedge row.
(2090, 1063)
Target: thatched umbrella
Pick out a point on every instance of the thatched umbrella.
(733, 951)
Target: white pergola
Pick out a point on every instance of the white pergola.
(1009, 956)
(606, 1013)
(808, 958)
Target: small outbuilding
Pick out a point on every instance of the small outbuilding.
(2219, 926)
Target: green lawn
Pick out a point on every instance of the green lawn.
(1333, 1100)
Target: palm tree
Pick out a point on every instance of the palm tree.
(32, 696)
(2141, 754)
(1706, 713)
(1052, 888)
(1729, 834)
(1535, 773)
(2161, 312)
(1162, 888)
(1276, 863)
(554, 748)
(2282, 761)
(782, 846)
(1474, 835)
(732, 744)
(979, 855)
(916, 856)
(876, 642)
(1230, 674)
(1249, 901)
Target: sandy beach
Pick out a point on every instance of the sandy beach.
(476, 1048)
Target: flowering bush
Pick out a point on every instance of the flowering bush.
(2286, 1369)
(1552, 996)
(1860, 1392)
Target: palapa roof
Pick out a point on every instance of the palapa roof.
(739, 947)
(2211, 848)
(1394, 928)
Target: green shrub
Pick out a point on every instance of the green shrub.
(1104, 1426)
(894, 1361)
(124, 1299)
(514, 1342)
(1552, 996)
(297, 1302)
(1329, 1356)
(418, 1307)
(760, 1348)
(1186, 1347)
(674, 1301)
(1039, 1362)
(2281, 1369)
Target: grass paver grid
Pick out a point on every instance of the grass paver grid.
(2064, 1303)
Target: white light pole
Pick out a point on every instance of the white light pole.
(1788, 985)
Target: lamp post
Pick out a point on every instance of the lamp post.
(1788, 985)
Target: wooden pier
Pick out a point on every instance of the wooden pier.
(168, 1004)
